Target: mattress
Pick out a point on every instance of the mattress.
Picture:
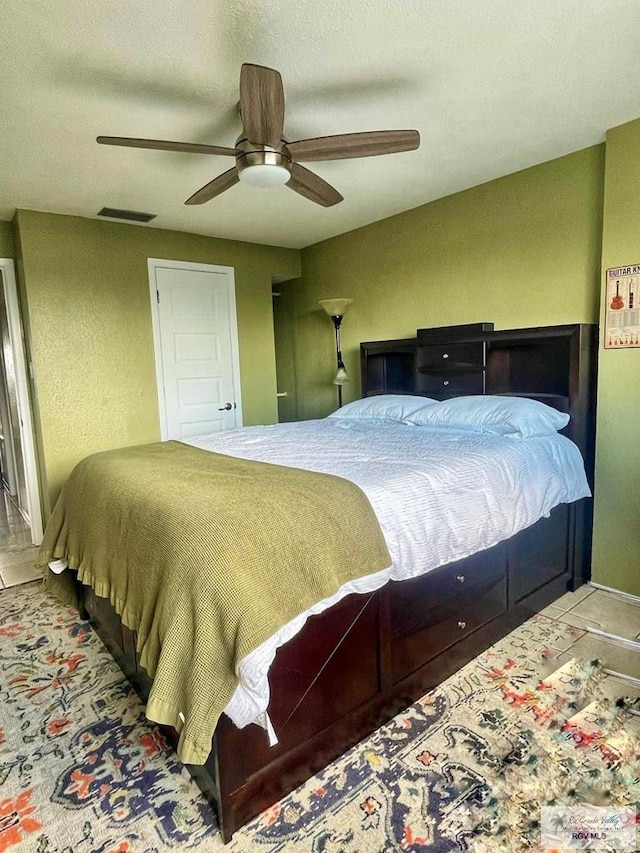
(440, 494)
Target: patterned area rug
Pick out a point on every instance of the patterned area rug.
(467, 767)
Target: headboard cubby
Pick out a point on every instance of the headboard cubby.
(388, 367)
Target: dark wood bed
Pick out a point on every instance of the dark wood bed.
(356, 665)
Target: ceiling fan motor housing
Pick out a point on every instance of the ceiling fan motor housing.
(262, 165)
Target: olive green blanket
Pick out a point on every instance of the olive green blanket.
(205, 556)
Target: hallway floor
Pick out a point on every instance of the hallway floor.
(17, 554)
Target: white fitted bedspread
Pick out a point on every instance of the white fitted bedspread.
(439, 495)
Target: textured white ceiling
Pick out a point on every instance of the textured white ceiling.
(493, 86)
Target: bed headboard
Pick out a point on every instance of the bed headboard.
(553, 364)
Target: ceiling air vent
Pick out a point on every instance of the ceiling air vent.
(131, 215)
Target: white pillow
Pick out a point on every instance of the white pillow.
(395, 407)
(515, 416)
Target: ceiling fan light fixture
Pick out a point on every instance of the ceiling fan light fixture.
(263, 166)
(264, 175)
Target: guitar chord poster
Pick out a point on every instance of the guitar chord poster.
(622, 307)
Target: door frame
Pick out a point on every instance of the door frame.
(16, 337)
(154, 264)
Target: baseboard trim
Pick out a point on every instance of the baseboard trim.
(614, 638)
(634, 598)
(622, 676)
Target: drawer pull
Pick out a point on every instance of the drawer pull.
(446, 382)
(460, 578)
(462, 625)
(445, 355)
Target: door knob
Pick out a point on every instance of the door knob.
(226, 408)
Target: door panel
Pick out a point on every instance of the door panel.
(196, 347)
(197, 342)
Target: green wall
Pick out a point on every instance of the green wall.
(520, 251)
(616, 552)
(85, 292)
(6, 240)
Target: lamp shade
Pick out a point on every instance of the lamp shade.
(341, 377)
(336, 307)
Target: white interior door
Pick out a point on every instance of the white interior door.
(196, 344)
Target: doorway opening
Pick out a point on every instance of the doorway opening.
(284, 327)
(20, 510)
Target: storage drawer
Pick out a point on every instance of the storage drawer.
(410, 652)
(450, 384)
(446, 356)
(429, 599)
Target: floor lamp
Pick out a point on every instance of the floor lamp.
(336, 309)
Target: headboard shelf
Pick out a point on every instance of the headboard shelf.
(462, 332)
(553, 364)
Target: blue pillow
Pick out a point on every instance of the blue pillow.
(515, 416)
(394, 407)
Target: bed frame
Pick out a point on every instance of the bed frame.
(356, 665)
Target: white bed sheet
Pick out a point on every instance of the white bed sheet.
(439, 495)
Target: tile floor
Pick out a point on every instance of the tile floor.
(599, 612)
(17, 554)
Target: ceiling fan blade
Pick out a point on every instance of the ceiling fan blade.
(162, 145)
(344, 146)
(218, 185)
(261, 105)
(312, 186)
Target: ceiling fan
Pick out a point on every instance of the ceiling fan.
(264, 157)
